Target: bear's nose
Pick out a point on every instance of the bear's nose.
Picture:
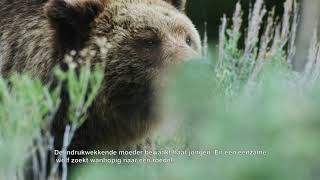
(184, 53)
(190, 54)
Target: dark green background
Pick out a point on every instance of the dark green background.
(211, 11)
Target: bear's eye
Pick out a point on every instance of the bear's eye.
(189, 41)
(151, 43)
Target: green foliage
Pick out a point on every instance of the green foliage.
(274, 116)
(82, 89)
(27, 108)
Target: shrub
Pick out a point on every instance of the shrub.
(27, 108)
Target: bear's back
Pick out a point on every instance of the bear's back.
(26, 39)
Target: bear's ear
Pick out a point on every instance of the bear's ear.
(71, 19)
(179, 4)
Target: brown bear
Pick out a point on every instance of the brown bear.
(145, 37)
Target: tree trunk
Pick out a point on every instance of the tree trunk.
(310, 11)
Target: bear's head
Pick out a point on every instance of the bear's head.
(144, 38)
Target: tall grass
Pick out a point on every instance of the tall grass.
(267, 40)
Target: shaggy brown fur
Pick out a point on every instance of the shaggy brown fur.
(144, 37)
